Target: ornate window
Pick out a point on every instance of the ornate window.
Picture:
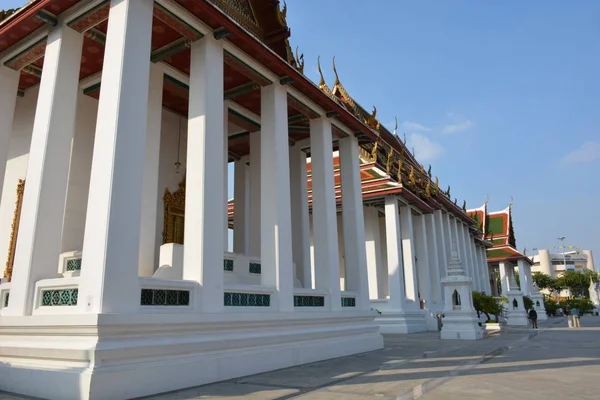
(174, 209)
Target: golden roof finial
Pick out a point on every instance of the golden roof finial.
(337, 78)
(428, 189)
(372, 121)
(322, 81)
(436, 186)
(282, 14)
(299, 61)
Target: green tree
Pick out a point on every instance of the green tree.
(577, 282)
(543, 281)
(486, 304)
(527, 303)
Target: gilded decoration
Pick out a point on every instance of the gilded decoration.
(174, 214)
(14, 230)
(241, 11)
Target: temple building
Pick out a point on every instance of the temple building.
(503, 258)
(118, 122)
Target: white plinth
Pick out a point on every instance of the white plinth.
(462, 326)
(115, 356)
(541, 309)
(401, 322)
(516, 316)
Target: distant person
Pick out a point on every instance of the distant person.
(569, 316)
(533, 318)
(575, 314)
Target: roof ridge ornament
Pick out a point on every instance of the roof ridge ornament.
(337, 78)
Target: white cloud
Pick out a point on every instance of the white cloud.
(460, 126)
(587, 153)
(414, 127)
(425, 149)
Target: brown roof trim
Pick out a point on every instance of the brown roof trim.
(23, 13)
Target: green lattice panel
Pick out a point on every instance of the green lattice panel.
(227, 265)
(74, 264)
(309, 301)
(164, 297)
(231, 299)
(348, 302)
(60, 297)
(255, 268)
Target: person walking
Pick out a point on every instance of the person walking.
(533, 318)
(569, 316)
(575, 314)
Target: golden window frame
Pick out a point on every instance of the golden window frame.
(174, 214)
(14, 230)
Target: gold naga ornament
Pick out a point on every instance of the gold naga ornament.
(436, 187)
(428, 189)
(390, 160)
(372, 121)
(400, 168)
(411, 177)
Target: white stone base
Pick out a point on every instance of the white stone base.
(124, 356)
(542, 316)
(401, 321)
(462, 326)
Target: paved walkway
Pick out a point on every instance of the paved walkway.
(552, 362)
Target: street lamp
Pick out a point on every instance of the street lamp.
(562, 241)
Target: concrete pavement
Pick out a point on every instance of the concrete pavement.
(520, 364)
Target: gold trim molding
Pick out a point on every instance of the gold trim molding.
(14, 230)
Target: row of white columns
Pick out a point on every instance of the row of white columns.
(507, 271)
(125, 157)
(417, 249)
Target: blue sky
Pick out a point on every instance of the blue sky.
(502, 98)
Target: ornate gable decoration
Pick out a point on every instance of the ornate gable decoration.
(242, 13)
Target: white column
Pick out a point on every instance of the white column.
(300, 218)
(241, 199)
(9, 83)
(109, 273)
(373, 251)
(150, 183)
(467, 247)
(353, 220)
(408, 256)
(461, 247)
(475, 264)
(487, 284)
(504, 277)
(422, 256)
(275, 211)
(255, 191)
(225, 215)
(441, 239)
(393, 237)
(434, 257)
(327, 263)
(205, 200)
(523, 278)
(42, 214)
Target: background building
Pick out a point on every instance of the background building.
(554, 264)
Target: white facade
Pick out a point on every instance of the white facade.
(554, 264)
